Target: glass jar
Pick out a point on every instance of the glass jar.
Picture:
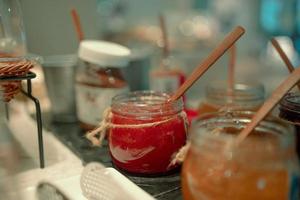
(12, 32)
(167, 77)
(263, 166)
(98, 79)
(244, 97)
(146, 133)
(290, 111)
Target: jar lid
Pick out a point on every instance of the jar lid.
(291, 102)
(104, 53)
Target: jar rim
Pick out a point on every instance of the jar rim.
(244, 92)
(145, 102)
(273, 126)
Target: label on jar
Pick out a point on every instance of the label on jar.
(294, 187)
(92, 101)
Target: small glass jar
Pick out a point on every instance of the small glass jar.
(168, 77)
(98, 79)
(290, 111)
(263, 166)
(147, 132)
(244, 97)
(12, 32)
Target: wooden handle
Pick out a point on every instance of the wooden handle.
(164, 33)
(229, 40)
(270, 103)
(231, 70)
(77, 25)
(283, 56)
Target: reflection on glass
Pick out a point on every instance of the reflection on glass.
(12, 34)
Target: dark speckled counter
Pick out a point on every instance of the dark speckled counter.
(162, 188)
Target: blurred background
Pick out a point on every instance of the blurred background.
(194, 28)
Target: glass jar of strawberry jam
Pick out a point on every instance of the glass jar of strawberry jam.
(245, 96)
(290, 111)
(146, 132)
(263, 166)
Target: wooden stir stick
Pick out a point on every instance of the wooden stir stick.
(283, 56)
(78, 29)
(231, 69)
(229, 40)
(77, 24)
(270, 103)
(163, 28)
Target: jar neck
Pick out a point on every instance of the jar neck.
(215, 135)
(243, 95)
(145, 105)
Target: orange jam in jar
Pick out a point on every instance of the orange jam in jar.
(263, 166)
(243, 97)
(147, 132)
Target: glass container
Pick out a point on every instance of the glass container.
(147, 132)
(98, 79)
(12, 32)
(167, 77)
(245, 96)
(263, 166)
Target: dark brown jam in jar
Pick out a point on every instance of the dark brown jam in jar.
(290, 111)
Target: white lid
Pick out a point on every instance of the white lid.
(104, 53)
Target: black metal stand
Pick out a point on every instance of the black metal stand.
(28, 93)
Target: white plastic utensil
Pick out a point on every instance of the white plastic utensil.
(100, 183)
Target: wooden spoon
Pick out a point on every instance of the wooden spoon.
(283, 56)
(270, 103)
(163, 28)
(77, 24)
(229, 40)
(231, 70)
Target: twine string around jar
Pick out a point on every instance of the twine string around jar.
(97, 135)
(181, 154)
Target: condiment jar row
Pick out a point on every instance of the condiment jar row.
(145, 133)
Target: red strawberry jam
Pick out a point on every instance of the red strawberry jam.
(147, 132)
